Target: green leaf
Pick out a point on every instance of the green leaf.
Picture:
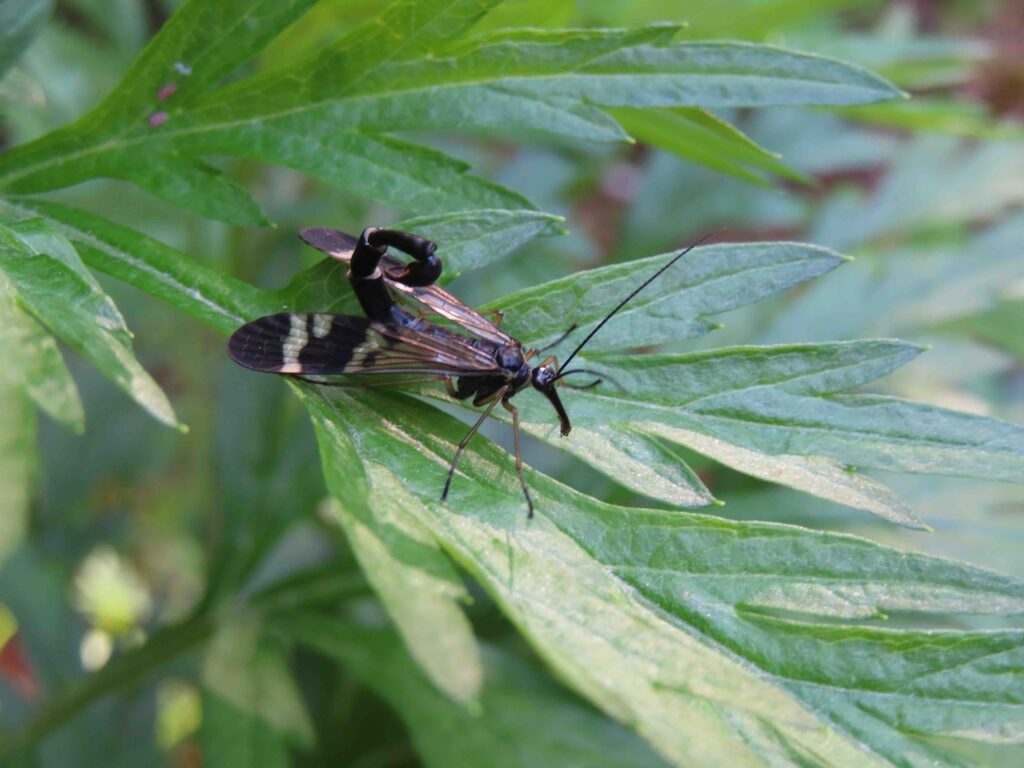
(410, 574)
(816, 475)
(250, 676)
(641, 462)
(322, 115)
(270, 478)
(195, 50)
(55, 286)
(17, 463)
(699, 136)
(908, 58)
(20, 21)
(234, 738)
(516, 700)
(194, 185)
(149, 265)
(591, 586)
(784, 400)
(997, 326)
(955, 118)
(707, 281)
(33, 362)
(469, 240)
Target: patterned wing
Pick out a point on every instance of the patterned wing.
(319, 344)
(339, 245)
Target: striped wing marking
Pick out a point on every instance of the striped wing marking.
(320, 344)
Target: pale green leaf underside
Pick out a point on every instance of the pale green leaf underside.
(402, 562)
(33, 362)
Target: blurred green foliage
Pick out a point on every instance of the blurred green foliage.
(246, 589)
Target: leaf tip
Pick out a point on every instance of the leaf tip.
(717, 503)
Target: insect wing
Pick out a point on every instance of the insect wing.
(340, 246)
(319, 344)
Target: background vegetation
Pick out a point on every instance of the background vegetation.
(279, 585)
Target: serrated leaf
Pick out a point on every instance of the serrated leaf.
(324, 115)
(702, 138)
(56, 287)
(566, 580)
(516, 699)
(195, 185)
(400, 173)
(413, 578)
(469, 240)
(199, 46)
(816, 475)
(710, 280)
(637, 460)
(784, 400)
(34, 364)
(149, 265)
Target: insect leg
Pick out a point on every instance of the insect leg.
(496, 314)
(467, 438)
(519, 455)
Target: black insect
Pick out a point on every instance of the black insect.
(486, 363)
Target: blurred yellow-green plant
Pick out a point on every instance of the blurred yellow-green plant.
(786, 537)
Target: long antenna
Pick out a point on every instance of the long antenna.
(628, 299)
